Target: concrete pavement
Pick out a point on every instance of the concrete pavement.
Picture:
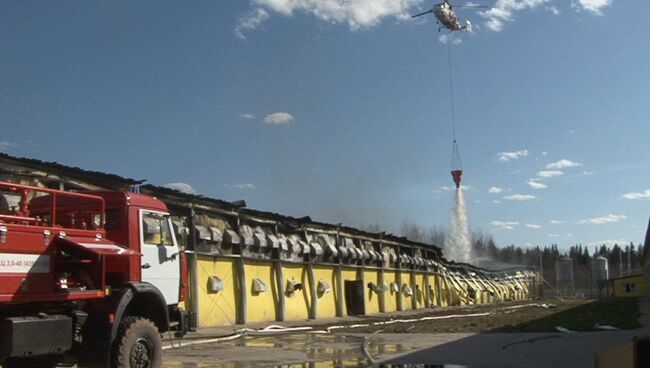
(345, 347)
(510, 350)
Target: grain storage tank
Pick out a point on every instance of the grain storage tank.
(564, 276)
(599, 269)
(564, 270)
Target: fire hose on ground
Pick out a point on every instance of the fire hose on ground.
(277, 329)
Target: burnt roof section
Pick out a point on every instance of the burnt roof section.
(111, 181)
(174, 195)
(383, 235)
(467, 267)
(290, 222)
(92, 177)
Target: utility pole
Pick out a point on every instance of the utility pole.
(620, 263)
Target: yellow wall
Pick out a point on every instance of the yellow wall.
(221, 308)
(217, 308)
(296, 304)
(446, 290)
(433, 294)
(455, 293)
(439, 289)
(390, 296)
(261, 307)
(637, 282)
(326, 302)
(420, 293)
(372, 298)
(464, 299)
(407, 300)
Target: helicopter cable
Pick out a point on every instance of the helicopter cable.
(456, 162)
(451, 87)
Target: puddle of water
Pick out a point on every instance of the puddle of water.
(321, 364)
(322, 351)
(422, 366)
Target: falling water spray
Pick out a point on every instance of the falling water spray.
(457, 243)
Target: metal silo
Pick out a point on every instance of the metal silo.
(599, 274)
(599, 269)
(564, 276)
(564, 269)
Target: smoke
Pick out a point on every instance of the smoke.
(490, 263)
(457, 243)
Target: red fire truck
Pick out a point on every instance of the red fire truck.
(91, 278)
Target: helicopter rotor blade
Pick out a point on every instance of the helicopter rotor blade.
(426, 12)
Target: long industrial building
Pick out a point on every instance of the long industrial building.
(253, 266)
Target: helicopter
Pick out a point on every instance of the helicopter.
(447, 18)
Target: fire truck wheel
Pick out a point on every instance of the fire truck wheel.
(138, 344)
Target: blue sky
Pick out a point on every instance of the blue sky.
(340, 110)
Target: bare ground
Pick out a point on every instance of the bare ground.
(573, 314)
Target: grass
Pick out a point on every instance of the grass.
(622, 313)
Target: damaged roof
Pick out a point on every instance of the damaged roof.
(180, 198)
(13, 165)
(53, 168)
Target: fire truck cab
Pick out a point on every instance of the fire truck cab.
(93, 277)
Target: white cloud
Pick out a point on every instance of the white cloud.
(243, 186)
(535, 184)
(247, 116)
(356, 14)
(504, 225)
(519, 197)
(251, 21)
(594, 6)
(5, 146)
(603, 219)
(637, 195)
(608, 242)
(182, 187)
(553, 10)
(533, 226)
(509, 156)
(496, 190)
(562, 164)
(279, 118)
(359, 14)
(557, 222)
(503, 11)
(554, 235)
(549, 174)
(446, 37)
(496, 201)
